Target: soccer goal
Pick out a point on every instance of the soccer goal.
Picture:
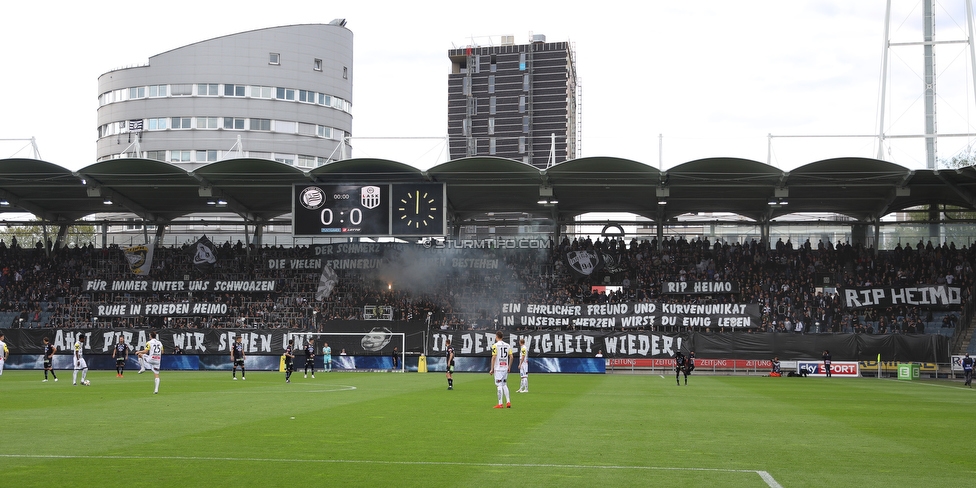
(359, 351)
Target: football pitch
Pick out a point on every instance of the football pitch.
(389, 429)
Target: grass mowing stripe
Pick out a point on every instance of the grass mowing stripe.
(570, 430)
(762, 474)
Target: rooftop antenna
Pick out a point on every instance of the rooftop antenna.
(237, 148)
(928, 44)
(35, 152)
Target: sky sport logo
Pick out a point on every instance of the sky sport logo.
(514, 243)
(312, 197)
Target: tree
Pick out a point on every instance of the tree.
(30, 235)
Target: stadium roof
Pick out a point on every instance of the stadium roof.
(259, 190)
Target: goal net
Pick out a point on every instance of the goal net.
(376, 350)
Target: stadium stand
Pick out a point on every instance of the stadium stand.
(38, 291)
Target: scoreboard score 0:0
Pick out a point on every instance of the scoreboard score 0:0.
(385, 209)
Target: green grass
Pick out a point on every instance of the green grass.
(384, 429)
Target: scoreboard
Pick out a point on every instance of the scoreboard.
(382, 209)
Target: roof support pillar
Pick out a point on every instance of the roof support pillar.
(764, 233)
(258, 235)
(59, 241)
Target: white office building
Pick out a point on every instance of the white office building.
(281, 93)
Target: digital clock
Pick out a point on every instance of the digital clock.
(418, 209)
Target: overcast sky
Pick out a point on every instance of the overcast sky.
(709, 78)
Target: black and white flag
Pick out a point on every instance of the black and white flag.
(140, 258)
(327, 282)
(204, 257)
(584, 263)
(135, 125)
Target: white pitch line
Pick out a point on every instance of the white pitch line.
(768, 478)
(936, 385)
(770, 481)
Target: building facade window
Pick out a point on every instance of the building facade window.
(207, 123)
(284, 93)
(521, 144)
(156, 155)
(466, 127)
(491, 146)
(325, 132)
(306, 96)
(260, 92)
(522, 63)
(521, 104)
(156, 124)
(181, 123)
(274, 58)
(157, 90)
(345, 73)
(261, 124)
(492, 105)
(491, 83)
(285, 126)
(317, 65)
(234, 90)
(178, 156)
(209, 155)
(306, 161)
(491, 125)
(137, 92)
(525, 82)
(306, 129)
(525, 124)
(234, 123)
(181, 90)
(207, 90)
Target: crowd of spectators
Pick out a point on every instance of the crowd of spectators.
(786, 281)
(42, 288)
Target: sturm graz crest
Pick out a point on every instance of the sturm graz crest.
(312, 197)
(583, 262)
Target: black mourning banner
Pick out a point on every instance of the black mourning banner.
(699, 287)
(178, 286)
(926, 296)
(631, 315)
(657, 345)
(182, 309)
(367, 340)
(564, 343)
(373, 340)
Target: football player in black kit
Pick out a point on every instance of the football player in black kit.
(237, 356)
(120, 353)
(679, 367)
(49, 351)
(450, 365)
(310, 357)
(826, 362)
(689, 365)
(289, 360)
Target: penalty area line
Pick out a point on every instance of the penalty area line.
(766, 477)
